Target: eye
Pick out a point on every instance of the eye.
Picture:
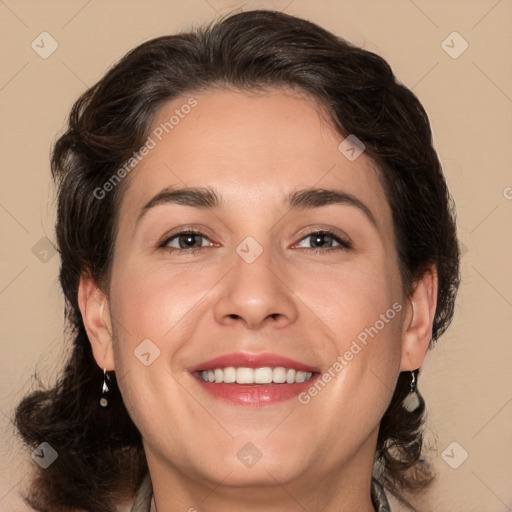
(319, 240)
(186, 241)
(191, 241)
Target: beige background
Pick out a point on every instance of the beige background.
(467, 380)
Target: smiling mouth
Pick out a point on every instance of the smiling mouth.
(251, 376)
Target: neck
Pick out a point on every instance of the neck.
(341, 489)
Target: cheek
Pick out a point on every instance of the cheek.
(361, 316)
(152, 302)
(155, 313)
(349, 302)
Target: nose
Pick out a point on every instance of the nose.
(256, 294)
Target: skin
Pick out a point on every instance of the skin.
(254, 150)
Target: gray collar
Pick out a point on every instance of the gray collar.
(144, 497)
(379, 501)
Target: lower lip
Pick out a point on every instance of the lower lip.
(255, 394)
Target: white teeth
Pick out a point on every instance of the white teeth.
(300, 376)
(244, 376)
(229, 375)
(262, 375)
(266, 375)
(290, 376)
(279, 375)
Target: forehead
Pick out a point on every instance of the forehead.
(251, 147)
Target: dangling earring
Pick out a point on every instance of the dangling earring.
(104, 389)
(412, 401)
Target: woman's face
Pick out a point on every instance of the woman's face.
(292, 268)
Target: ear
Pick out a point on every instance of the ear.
(94, 307)
(419, 318)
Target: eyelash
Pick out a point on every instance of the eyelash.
(343, 244)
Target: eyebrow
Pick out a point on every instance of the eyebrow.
(207, 198)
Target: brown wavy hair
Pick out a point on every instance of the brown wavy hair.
(101, 461)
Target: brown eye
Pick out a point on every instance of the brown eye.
(189, 240)
(186, 240)
(324, 240)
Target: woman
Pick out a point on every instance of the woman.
(258, 248)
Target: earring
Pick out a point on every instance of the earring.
(412, 401)
(104, 389)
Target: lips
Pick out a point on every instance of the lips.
(244, 360)
(254, 379)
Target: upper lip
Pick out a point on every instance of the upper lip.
(247, 360)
